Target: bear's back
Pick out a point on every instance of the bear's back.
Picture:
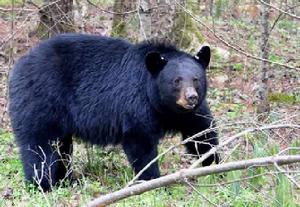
(45, 81)
(65, 61)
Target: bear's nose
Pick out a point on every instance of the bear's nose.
(192, 99)
(191, 96)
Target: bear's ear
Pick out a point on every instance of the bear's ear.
(203, 56)
(155, 62)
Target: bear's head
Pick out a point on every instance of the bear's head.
(179, 79)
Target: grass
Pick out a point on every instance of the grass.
(284, 98)
(10, 2)
(100, 171)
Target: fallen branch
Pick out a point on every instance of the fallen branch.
(2, 9)
(183, 174)
(213, 150)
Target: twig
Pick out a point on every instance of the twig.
(199, 193)
(5, 57)
(189, 173)
(15, 9)
(281, 10)
(213, 150)
(168, 150)
(287, 175)
(245, 178)
(112, 12)
(122, 13)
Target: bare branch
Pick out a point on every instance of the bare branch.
(199, 193)
(122, 13)
(112, 12)
(168, 150)
(16, 9)
(183, 174)
(213, 150)
(281, 10)
(287, 175)
(271, 173)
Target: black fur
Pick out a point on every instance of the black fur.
(100, 89)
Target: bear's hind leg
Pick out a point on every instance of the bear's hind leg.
(46, 162)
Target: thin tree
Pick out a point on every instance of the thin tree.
(263, 106)
(156, 18)
(165, 19)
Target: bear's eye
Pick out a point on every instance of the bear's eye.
(177, 81)
(195, 80)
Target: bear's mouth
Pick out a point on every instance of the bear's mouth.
(189, 107)
(186, 108)
(182, 103)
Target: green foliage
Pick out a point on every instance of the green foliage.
(185, 31)
(257, 181)
(251, 43)
(108, 164)
(283, 192)
(284, 98)
(287, 25)
(296, 144)
(218, 10)
(10, 2)
(275, 58)
(100, 171)
(238, 66)
(235, 187)
(103, 2)
(119, 29)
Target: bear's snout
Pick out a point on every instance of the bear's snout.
(188, 98)
(191, 96)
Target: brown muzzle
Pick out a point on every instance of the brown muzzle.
(188, 98)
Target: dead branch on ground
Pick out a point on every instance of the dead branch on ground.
(184, 174)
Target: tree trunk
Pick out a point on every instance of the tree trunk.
(263, 106)
(55, 17)
(164, 19)
(121, 20)
(156, 18)
(185, 33)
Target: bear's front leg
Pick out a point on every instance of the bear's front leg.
(198, 122)
(201, 145)
(140, 150)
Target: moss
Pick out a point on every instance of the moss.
(219, 6)
(283, 98)
(119, 30)
(185, 31)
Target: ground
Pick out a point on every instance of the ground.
(233, 81)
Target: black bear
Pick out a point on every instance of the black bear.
(106, 91)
